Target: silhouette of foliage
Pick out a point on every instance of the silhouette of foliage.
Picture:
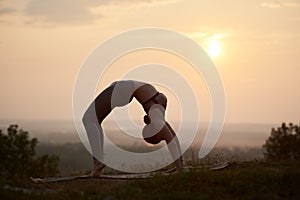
(18, 156)
(284, 143)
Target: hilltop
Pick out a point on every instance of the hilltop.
(241, 180)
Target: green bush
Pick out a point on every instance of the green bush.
(18, 156)
(284, 143)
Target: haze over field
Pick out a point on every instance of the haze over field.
(61, 132)
(237, 142)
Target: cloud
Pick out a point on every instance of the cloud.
(4, 11)
(74, 11)
(60, 11)
(280, 4)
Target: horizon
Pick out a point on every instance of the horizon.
(244, 135)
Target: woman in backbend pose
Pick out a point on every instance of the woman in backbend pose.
(120, 93)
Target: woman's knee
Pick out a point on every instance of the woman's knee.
(89, 115)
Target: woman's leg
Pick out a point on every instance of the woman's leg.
(92, 120)
(95, 135)
(173, 146)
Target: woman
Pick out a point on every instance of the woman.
(121, 93)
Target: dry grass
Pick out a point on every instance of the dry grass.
(244, 180)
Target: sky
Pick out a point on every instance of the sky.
(255, 45)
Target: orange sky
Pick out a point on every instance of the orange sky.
(43, 44)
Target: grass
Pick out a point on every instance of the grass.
(241, 180)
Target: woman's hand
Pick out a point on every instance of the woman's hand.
(147, 119)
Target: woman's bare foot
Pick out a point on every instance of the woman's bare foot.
(96, 173)
(98, 167)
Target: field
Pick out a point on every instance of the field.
(241, 180)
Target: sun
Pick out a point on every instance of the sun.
(214, 48)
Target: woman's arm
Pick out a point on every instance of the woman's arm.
(173, 146)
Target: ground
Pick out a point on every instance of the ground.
(243, 180)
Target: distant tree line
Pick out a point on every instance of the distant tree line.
(284, 143)
(18, 156)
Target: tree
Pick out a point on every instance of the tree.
(284, 143)
(18, 156)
